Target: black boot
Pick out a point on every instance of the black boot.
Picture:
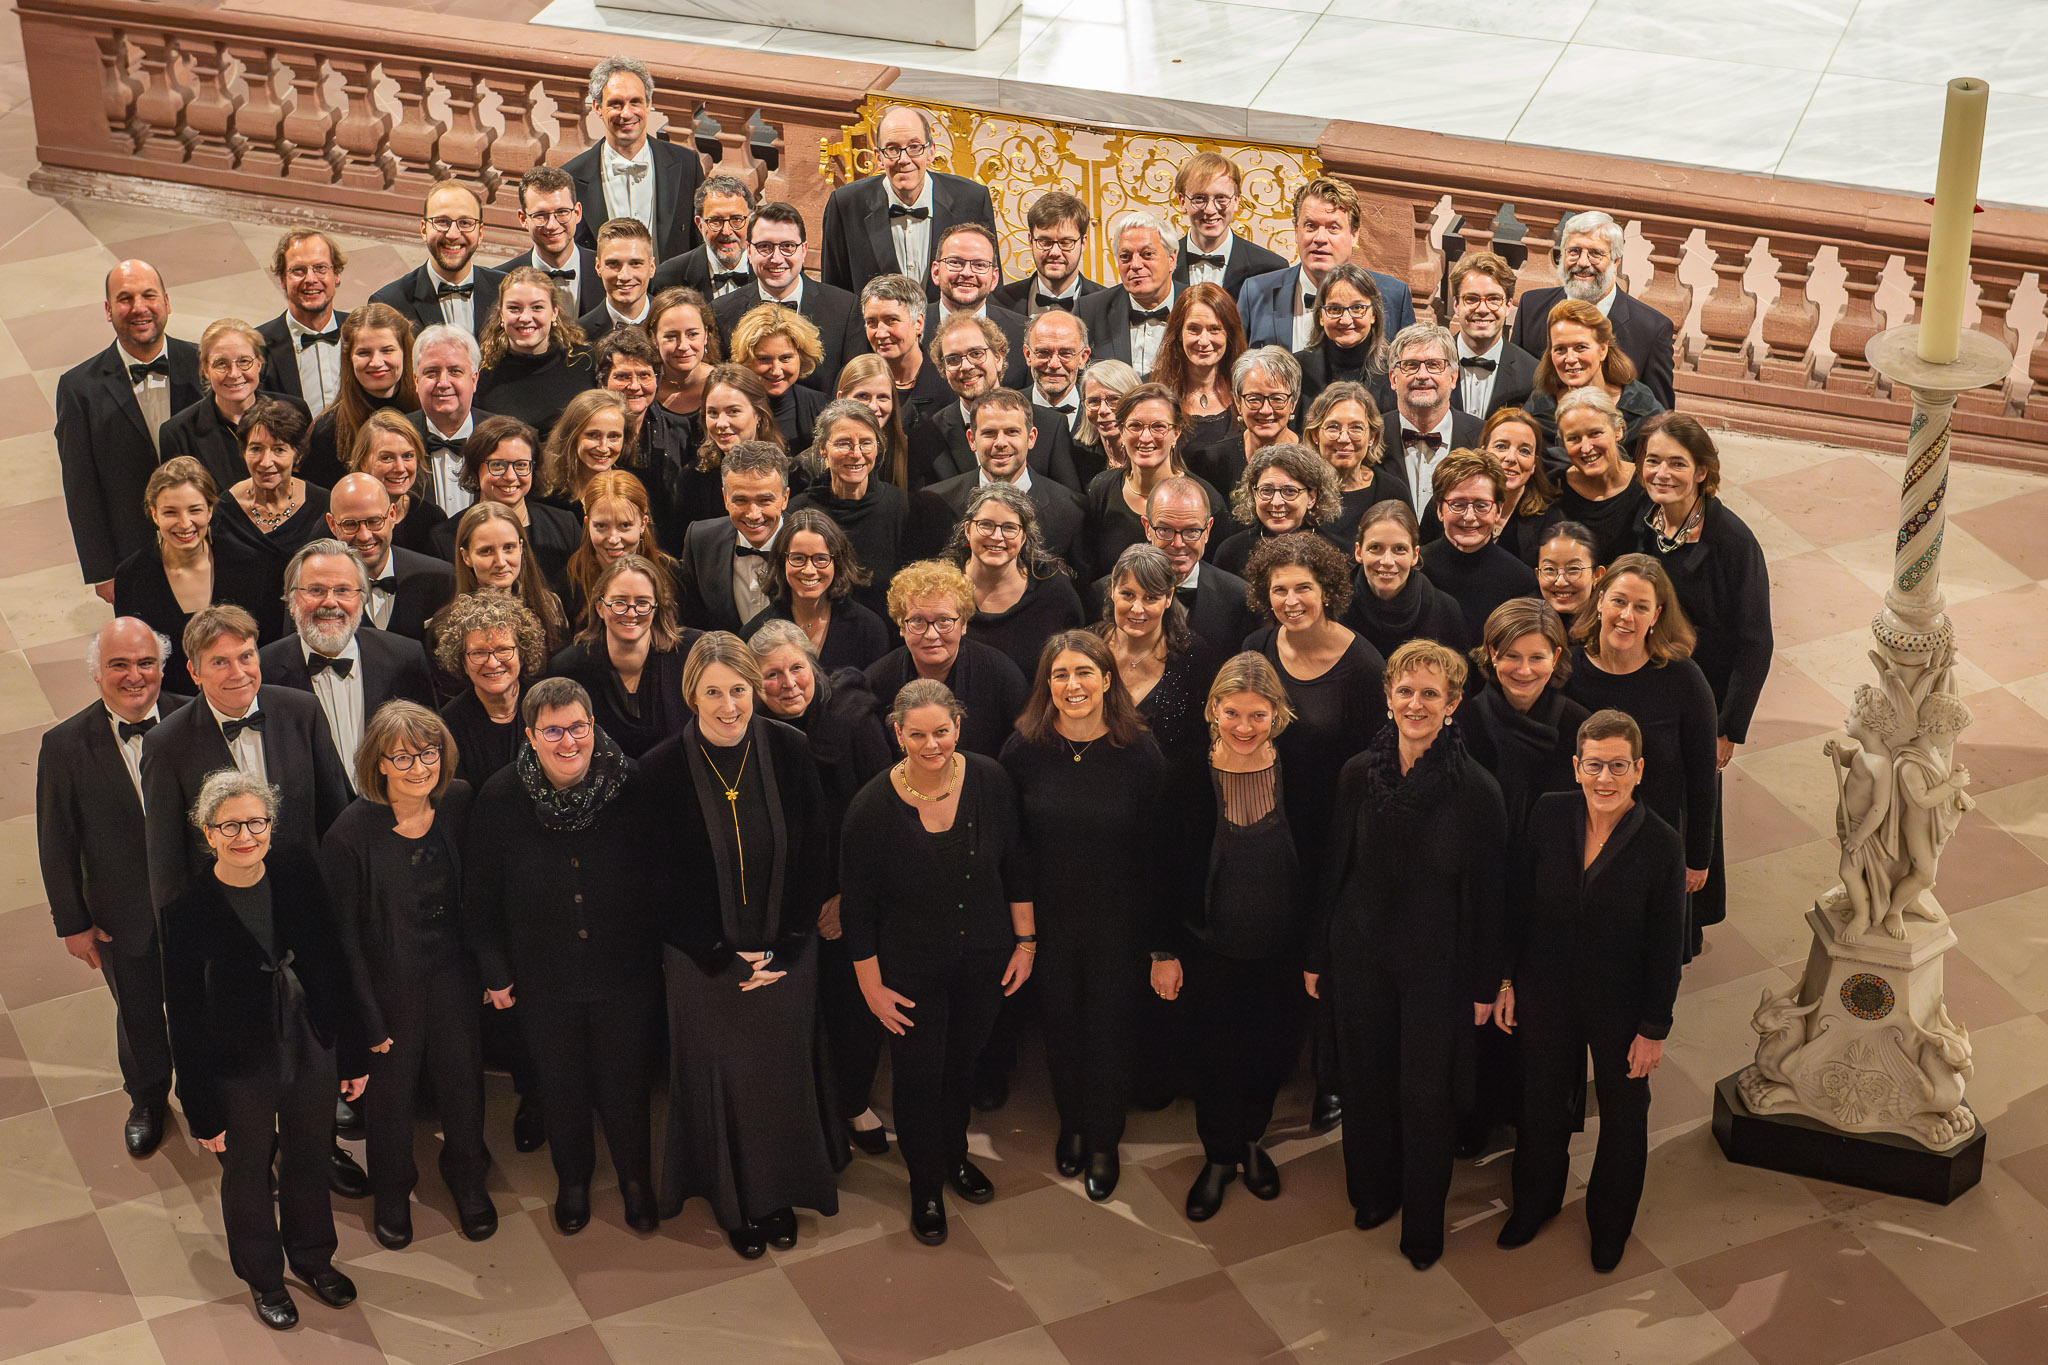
(1205, 1196)
(970, 1184)
(1100, 1177)
(640, 1211)
(1261, 1176)
(1070, 1154)
(572, 1209)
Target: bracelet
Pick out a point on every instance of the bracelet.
(1028, 946)
(1505, 985)
(1027, 938)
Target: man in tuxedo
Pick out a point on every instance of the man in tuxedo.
(445, 362)
(1493, 372)
(1178, 521)
(1279, 308)
(776, 252)
(108, 411)
(451, 287)
(549, 212)
(889, 223)
(1591, 266)
(625, 263)
(724, 577)
(1424, 427)
(1128, 321)
(972, 354)
(89, 840)
(966, 268)
(1056, 351)
(350, 672)
(892, 313)
(719, 266)
(302, 355)
(406, 588)
(1208, 188)
(1004, 431)
(631, 175)
(1058, 226)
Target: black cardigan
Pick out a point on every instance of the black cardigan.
(219, 986)
(203, 432)
(1675, 708)
(1725, 588)
(535, 388)
(854, 636)
(482, 745)
(983, 679)
(1478, 581)
(877, 524)
(1616, 522)
(242, 575)
(849, 739)
(1605, 941)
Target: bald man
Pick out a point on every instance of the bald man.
(405, 588)
(451, 287)
(89, 837)
(109, 410)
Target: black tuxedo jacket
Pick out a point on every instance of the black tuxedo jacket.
(855, 236)
(298, 757)
(1219, 614)
(834, 312)
(1060, 510)
(691, 270)
(1247, 258)
(394, 669)
(281, 355)
(589, 288)
(89, 835)
(704, 591)
(677, 173)
(105, 454)
(1465, 431)
(1017, 294)
(598, 322)
(415, 296)
(1108, 315)
(425, 585)
(200, 432)
(1643, 333)
(939, 448)
(1514, 377)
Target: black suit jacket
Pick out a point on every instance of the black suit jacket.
(1465, 430)
(425, 585)
(939, 448)
(298, 758)
(1108, 316)
(677, 173)
(281, 355)
(1219, 615)
(415, 296)
(704, 592)
(1061, 512)
(394, 669)
(834, 312)
(1514, 377)
(202, 433)
(598, 323)
(89, 835)
(1247, 258)
(691, 270)
(1643, 333)
(589, 288)
(1016, 295)
(855, 235)
(105, 454)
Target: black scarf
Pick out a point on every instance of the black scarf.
(565, 810)
(1418, 793)
(753, 923)
(1393, 618)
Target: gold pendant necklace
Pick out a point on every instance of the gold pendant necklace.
(1081, 752)
(732, 800)
(903, 776)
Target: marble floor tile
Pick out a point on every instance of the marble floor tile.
(1312, 1204)
(50, 604)
(2000, 42)
(1333, 1300)
(1840, 500)
(613, 1269)
(2011, 529)
(756, 1317)
(896, 1300)
(1697, 1203)
(39, 1182)
(1725, 956)
(1324, 76)
(2007, 741)
(1555, 1268)
(130, 1345)
(1936, 1348)
(2008, 1100)
(2011, 1336)
(23, 407)
(19, 1093)
(2009, 939)
(30, 972)
(1984, 628)
(1962, 1263)
(63, 1283)
(1650, 1320)
(1792, 707)
(229, 1331)
(1192, 49)
(1205, 1321)
(446, 1298)
(579, 1346)
(1974, 994)
(1798, 779)
(173, 1248)
(1791, 33)
(1728, 115)
(1028, 1347)
(1970, 569)
(91, 1128)
(1750, 813)
(70, 1041)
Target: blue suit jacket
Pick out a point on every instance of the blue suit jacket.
(1266, 303)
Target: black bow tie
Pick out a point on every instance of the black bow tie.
(387, 584)
(330, 337)
(161, 365)
(231, 729)
(1420, 438)
(1186, 596)
(134, 729)
(1048, 301)
(1478, 362)
(721, 279)
(1308, 303)
(1197, 258)
(740, 549)
(436, 441)
(915, 215)
(320, 663)
(1139, 317)
(455, 291)
(560, 274)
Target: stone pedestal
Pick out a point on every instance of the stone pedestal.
(964, 24)
(1872, 1161)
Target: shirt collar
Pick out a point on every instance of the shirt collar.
(796, 292)
(1022, 483)
(924, 196)
(348, 651)
(222, 718)
(644, 158)
(298, 329)
(1606, 301)
(1465, 350)
(621, 318)
(155, 712)
(468, 422)
(1072, 403)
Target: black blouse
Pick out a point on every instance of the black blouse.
(1094, 819)
(877, 523)
(1329, 363)
(1335, 717)
(309, 522)
(848, 737)
(796, 416)
(1725, 588)
(1049, 605)
(204, 432)
(1478, 580)
(1616, 522)
(854, 636)
(1675, 708)
(1173, 709)
(535, 388)
(1529, 752)
(644, 717)
(242, 575)
(482, 745)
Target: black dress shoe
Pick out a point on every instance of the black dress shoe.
(477, 1217)
(572, 1209)
(1327, 1113)
(641, 1214)
(1425, 1260)
(1519, 1230)
(1070, 1154)
(1261, 1176)
(873, 1141)
(1606, 1258)
(748, 1240)
(529, 1132)
(928, 1221)
(143, 1133)
(330, 1286)
(1098, 1181)
(1205, 1196)
(780, 1228)
(1368, 1219)
(348, 1117)
(970, 1184)
(991, 1090)
(275, 1309)
(344, 1176)
(393, 1229)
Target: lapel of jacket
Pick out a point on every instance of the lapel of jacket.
(668, 186)
(114, 376)
(1624, 833)
(877, 218)
(104, 751)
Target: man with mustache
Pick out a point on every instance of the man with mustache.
(725, 204)
(303, 355)
(451, 287)
(1424, 427)
(1589, 260)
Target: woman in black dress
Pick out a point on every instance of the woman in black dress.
(618, 522)
(393, 863)
(559, 906)
(271, 509)
(1090, 783)
(1285, 488)
(1023, 596)
(748, 880)
(492, 555)
(1265, 388)
(1600, 490)
(494, 644)
(1530, 509)
(1232, 948)
(1204, 338)
(499, 461)
(1408, 950)
(1344, 428)
(1151, 439)
(1467, 562)
(535, 356)
(1567, 566)
(266, 1027)
(1164, 665)
(857, 493)
(630, 658)
(781, 346)
(389, 450)
(1578, 351)
(813, 576)
(1593, 963)
(188, 569)
(686, 335)
(935, 951)
(231, 361)
(1391, 601)
(736, 408)
(589, 438)
(1347, 342)
(376, 373)
(930, 602)
(1635, 655)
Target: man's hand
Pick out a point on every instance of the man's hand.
(86, 946)
(1644, 1056)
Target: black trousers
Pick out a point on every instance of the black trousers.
(292, 1119)
(1402, 1040)
(141, 1038)
(1089, 978)
(1246, 1021)
(853, 1033)
(1555, 1040)
(932, 1064)
(436, 1038)
(594, 1060)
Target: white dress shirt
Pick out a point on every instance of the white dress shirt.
(1605, 303)
(620, 319)
(342, 699)
(1147, 338)
(153, 394)
(377, 606)
(1211, 274)
(750, 578)
(913, 236)
(246, 748)
(1071, 407)
(444, 468)
(795, 299)
(457, 310)
(319, 364)
(1072, 294)
(629, 193)
(1475, 386)
(718, 268)
(1304, 312)
(571, 288)
(131, 749)
(1022, 483)
(1420, 462)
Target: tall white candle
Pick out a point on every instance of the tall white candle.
(1955, 204)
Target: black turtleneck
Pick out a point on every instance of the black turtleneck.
(1479, 581)
(535, 388)
(1419, 611)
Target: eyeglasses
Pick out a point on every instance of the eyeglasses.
(1178, 535)
(500, 468)
(1591, 255)
(1477, 301)
(343, 595)
(1421, 366)
(1278, 492)
(851, 445)
(1065, 355)
(549, 215)
(776, 248)
(725, 220)
(1336, 431)
(1061, 244)
(936, 625)
(969, 357)
(555, 734)
(796, 561)
(429, 757)
(233, 828)
(1265, 402)
(1147, 428)
(629, 606)
(1570, 573)
(1594, 767)
(997, 530)
(1470, 507)
(504, 654)
(908, 152)
(961, 263)
(1210, 201)
(351, 526)
(462, 225)
(223, 364)
(1358, 311)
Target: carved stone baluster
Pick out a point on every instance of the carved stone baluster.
(1863, 268)
(1539, 271)
(1393, 237)
(1726, 316)
(1793, 318)
(2037, 370)
(523, 143)
(1996, 282)
(121, 84)
(211, 113)
(161, 107)
(464, 146)
(573, 119)
(1664, 291)
(414, 131)
(309, 123)
(362, 131)
(260, 120)
(1476, 231)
